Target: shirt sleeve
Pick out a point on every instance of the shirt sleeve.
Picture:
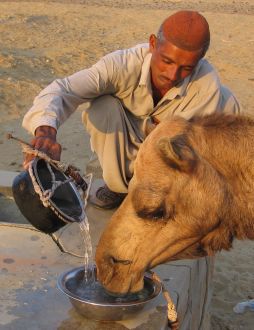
(61, 98)
(217, 100)
(207, 95)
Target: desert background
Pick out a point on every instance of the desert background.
(44, 40)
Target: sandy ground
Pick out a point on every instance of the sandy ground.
(42, 40)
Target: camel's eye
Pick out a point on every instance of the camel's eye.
(152, 215)
(158, 214)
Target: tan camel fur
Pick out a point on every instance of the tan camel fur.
(192, 193)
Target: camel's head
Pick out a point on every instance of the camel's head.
(172, 211)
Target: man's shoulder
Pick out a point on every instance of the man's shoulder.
(206, 75)
(133, 55)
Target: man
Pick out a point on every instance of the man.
(127, 91)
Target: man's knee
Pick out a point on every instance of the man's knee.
(102, 113)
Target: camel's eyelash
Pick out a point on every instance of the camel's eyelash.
(152, 215)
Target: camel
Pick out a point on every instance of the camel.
(192, 193)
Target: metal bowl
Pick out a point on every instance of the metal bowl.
(94, 302)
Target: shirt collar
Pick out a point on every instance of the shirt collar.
(178, 90)
(145, 79)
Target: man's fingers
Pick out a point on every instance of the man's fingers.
(28, 158)
(49, 146)
(57, 150)
(46, 145)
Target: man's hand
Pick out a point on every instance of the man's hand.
(44, 140)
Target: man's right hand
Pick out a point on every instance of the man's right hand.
(44, 140)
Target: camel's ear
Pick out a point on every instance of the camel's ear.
(178, 153)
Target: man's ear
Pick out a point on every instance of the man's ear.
(152, 42)
(178, 153)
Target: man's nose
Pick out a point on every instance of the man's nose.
(173, 73)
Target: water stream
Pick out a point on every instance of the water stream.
(89, 273)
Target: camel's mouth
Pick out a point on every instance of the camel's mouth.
(118, 277)
(129, 296)
(122, 284)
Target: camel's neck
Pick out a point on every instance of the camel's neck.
(230, 150)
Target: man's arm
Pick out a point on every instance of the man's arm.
(59, 100)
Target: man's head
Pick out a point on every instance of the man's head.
(182, 41)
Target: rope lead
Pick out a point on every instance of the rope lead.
(172, 313)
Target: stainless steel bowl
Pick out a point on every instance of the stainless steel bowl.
(104, 306)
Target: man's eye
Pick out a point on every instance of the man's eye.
(167, 61)
(187, 69)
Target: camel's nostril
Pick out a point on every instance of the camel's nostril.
(113, 261)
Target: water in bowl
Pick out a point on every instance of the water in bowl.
(95, 292)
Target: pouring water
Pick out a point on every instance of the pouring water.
(89, 276)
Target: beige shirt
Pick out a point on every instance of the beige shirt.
(125, 74)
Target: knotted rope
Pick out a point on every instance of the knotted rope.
(172, 313)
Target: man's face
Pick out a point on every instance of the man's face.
(170, 64)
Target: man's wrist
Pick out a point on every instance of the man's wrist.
(46, 131)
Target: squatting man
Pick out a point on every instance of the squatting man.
(128, 91)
